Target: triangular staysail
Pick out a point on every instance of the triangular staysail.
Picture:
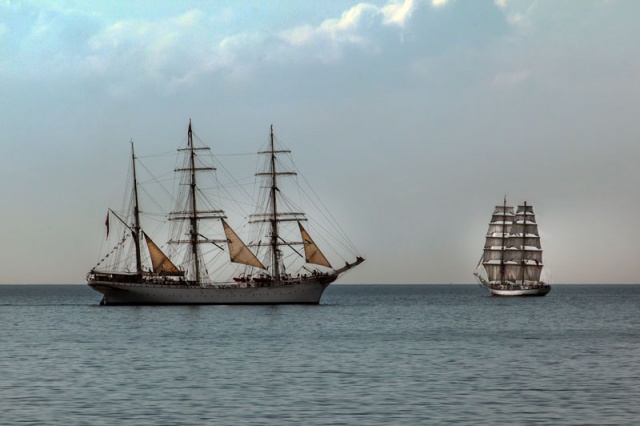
(238, 251)
(311, 251)
(160, 262)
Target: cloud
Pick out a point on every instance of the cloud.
(398, 13)
(350, 19)
(137, 35)
(343, 30)
(177, 49)
(173, 50)
(358, 26)
(167, 51)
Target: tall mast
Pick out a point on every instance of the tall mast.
(524, 236)
(274, 220)
(504, 227)
(190, 212)
(194, 212)
(136, 214)
(271, 214)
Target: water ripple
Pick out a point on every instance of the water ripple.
(370, 355)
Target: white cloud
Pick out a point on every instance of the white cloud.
(190, 19)
(300, 35)
(349, 19)
(170, 50)
(351, 29)
(398, 13)
(154, 35)
(177, 48)
(174, 49)
(341, 30)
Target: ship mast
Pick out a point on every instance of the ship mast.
(272, 215)
(136, 214)
(194, 211)
(504, 226)
(275, 252)
(191, 213)
(524, 236)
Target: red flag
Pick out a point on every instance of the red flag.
(537, 263)
(106, 223)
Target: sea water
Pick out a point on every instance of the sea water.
(367, 355)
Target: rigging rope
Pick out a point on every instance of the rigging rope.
(120, 243)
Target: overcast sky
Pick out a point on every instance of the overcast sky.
(411, 119)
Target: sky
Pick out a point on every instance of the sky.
(411, 119)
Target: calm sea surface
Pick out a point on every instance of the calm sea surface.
(368, 355)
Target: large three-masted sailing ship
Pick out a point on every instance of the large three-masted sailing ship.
(263, 273)
(511, 264)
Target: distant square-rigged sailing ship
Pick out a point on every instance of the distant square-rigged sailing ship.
(144, 274)
(511, 264)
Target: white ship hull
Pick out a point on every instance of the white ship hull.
(527, 290)
(519, 292)
(308, 291)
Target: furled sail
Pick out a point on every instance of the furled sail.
(160, 262)
(311, 251)
(238, 251)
